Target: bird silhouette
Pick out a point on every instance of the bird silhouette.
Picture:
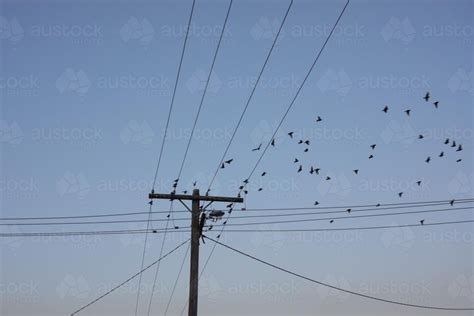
(436, 104)
(154, 231)
(446, 141)
(273, 142)
(378, 205)
(316, 203)
(300, 168)
(427, 96)
(185, 192)
(222, 166)
(319, 119)
(428, 160)
(258, 148)
(306, 150)
(356, 171)
(459, 148)
(441, 154)
(194, 183)
(418, 182)
(421, 136)
(408, 112)
(459, 160)
(263, 174)
(400, 194)
(371, 156)
(246, 181)
(311, 170)
(331, 221)
(260, 189)
(385, 109)
(306, 142)
(229, 161)
(328, 178)
(451, 202)
(349, 210)
(291, 134)
(422, 222)
(373, 146)
(454, 144)
(300, 142)
(317, 170)
(296, 160)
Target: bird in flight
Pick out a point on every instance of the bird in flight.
(428, 160)
(300, 168)
(421, 136)
(317, 170)
(459, 160)
(229, 161)
(222, 166)
(291, 134)
(311, 170)
(408, 112)
(194, 183)
(400, 194)
(436, 104)
(422, 222)
(306, 150)
(263, 174)
(459, 147)
(446, 141)
(385, 109)
(260, 189)
(356, 171)
(451, 202)
(273, 142)
(427, 96)
(373, 146)
(418, 182)
(349, 210)
(296, 160)
(454, 144)
(258, 148)
(316, 203)
(371, 156)
(300, 142)
(319, 119)
(441, 154)
(306, 142)
(328, 178)
(331, 221)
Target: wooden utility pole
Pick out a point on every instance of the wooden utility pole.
(195, 210)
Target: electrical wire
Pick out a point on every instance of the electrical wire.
(335, 287)
(128, 280)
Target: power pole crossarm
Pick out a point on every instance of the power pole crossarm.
(197, 222)
(172, 196)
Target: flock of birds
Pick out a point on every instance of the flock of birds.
(453, 144)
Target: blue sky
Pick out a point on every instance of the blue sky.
(85, 89)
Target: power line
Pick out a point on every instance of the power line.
(245, 216)
(129, 279)
(347, 217)
(335, 287)
(163, 145)
(131, 232)
(251, 95)
(381, 206)
(176, 281)
(205, 90)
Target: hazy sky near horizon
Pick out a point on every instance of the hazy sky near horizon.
(85, 90)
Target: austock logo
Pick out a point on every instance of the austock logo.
(73, 81)
(137, 30)
(197, 82)
(11, 30)
(136, 132)
(398, 30)
(462, 287)
(10, 133)
(73, 286)
(462, 81)
(398, 237)
(335, 81)
(73, 184)
(265, 28)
